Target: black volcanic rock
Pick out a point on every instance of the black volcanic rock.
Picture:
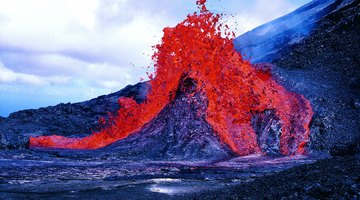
(179, 132)
(346, 149)
(267, 127)
(78, 119)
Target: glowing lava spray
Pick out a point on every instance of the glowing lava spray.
(202, 48)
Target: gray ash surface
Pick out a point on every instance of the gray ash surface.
(36, 174)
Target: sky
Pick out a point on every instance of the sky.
(59, 51)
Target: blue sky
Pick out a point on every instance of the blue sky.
(54, 51)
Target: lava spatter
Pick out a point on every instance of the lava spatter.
(201, 48)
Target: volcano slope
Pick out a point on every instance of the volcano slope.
(178, 132)
(330, 65)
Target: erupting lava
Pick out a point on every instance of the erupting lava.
(197, 48)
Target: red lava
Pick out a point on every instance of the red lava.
(202, 48)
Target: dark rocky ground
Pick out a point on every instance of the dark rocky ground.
(321, 63)
(334, 178)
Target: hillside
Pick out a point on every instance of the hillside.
(323, 65)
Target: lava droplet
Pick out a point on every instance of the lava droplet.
(200, 48)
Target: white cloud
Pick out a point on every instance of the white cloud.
(9, 76)
(91, 46)
(78, 27)
(62, 35)
(110, 84)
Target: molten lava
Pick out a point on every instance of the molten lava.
(197, 48)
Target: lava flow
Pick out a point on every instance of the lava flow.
(201, 48)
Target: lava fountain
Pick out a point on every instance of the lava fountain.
(201, 48)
